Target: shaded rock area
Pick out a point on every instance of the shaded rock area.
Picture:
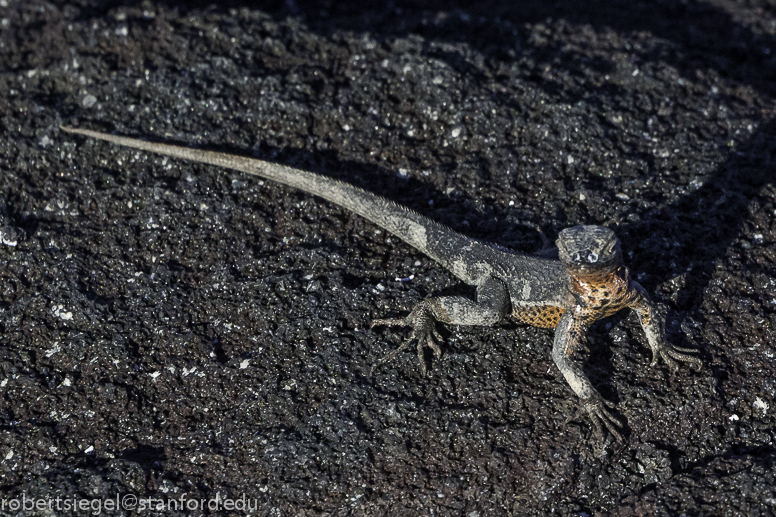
(175, 332)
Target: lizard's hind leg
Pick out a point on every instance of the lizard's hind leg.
(490, 307)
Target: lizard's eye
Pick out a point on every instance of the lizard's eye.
(592, 258)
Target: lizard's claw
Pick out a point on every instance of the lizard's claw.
(670, 354)
(423, 332)
(602, 417)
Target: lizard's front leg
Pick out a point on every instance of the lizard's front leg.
(491, 305)
(652, 324)
(568, 334)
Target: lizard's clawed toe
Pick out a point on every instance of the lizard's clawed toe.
(602, 417)
(671, 354)
(423, 333)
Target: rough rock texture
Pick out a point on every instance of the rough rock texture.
(172, 331)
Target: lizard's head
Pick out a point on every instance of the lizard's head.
(586, 250)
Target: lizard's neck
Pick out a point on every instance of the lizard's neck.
(600, 288)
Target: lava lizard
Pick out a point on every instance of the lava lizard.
(587, 282)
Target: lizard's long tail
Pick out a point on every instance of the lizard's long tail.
(424, 234)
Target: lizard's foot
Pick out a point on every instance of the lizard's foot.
(670, 354)
(423, 332)
(602, 417)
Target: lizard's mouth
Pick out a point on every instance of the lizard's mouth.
(592, 273)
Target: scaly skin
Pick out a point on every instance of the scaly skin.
(587, 283)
